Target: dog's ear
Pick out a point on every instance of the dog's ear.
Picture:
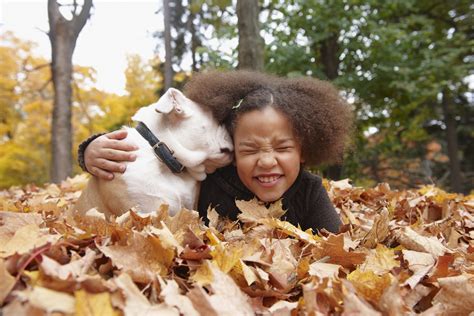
(171, 102)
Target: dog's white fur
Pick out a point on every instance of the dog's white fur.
(198, 142)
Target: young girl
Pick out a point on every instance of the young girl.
(277, 124)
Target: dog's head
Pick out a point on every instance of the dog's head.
(190, 130)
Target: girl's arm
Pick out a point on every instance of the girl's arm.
(101, 155)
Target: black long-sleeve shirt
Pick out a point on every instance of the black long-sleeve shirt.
(306, 202)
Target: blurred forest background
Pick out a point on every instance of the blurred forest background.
(405, 66)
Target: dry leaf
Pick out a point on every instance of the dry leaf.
(48, 300)
(88, 304)
(136, 303)
(73, 270)
(456, 294)
(26, 239)
(7, 282)
(414, 241)
(252, 211)
(380, 261)
(172, 297)
(142, 257)
(324, 270)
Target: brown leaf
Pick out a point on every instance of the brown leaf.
(75, 270)
(142, 257)
(379, 230)
(456, 294)
(136, 303)
(7, 283)
(252, 211)
(333, 249)
(26, 239)
(414, 241)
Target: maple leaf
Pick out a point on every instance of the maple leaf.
(333, 249)
(379, 230)
(48, 300)
(368, 284)
(324, 270)
(142, 257)
(8, 282)
(73, 270)
(456, 294)
(94, 304)
(414, 241)
(252, 211)
(11, 222)
(226, 298)
(136, 303)
(26, 239)
(420, 263)
(380, 261)
(172, 297)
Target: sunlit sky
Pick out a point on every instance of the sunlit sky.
(116, 28)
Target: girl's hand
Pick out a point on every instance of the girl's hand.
(108, 153)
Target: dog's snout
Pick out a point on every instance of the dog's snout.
(226, 150)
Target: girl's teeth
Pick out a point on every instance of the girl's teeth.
(267, 179)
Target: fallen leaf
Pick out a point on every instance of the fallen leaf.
(73, 270)
(456, 294)
(369, 285)
(172, 297)
(414, 241)
(8, 282)
(380, 261)
(48, 300)
(88, 304)
(26, 239)
(136, 303)
(142, 257)
(252, 211)
(324, 270)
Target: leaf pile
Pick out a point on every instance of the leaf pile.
(399, 252)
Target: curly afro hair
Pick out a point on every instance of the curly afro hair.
(320, 117)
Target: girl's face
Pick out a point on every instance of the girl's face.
(267, 153)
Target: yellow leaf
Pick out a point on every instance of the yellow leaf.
(290, 230)
(25, 239)
(88, 304)
(203, 275)
(368, 284)
(226, 257)
(380, 261)
(252, 211)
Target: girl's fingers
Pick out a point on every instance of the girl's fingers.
(117, 155)
(121, 145)
(101, 173)
(110, 166)
(118, 134)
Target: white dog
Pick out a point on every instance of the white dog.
(196, 143)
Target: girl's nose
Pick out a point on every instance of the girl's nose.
(267, 160)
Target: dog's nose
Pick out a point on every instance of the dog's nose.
(226, 150)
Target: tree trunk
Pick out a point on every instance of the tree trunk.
(452, 141)
(329, 52)
(63, 35)
(168, 48)
(250, 42)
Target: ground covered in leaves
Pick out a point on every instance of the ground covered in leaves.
(400, 252)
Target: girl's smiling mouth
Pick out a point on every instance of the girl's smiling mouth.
(268, 179)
